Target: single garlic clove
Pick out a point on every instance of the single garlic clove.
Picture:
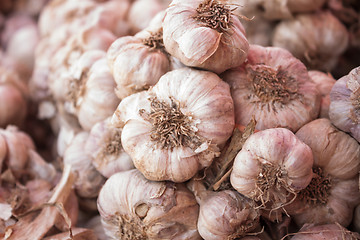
(324, 83)
(141, 209)
(104, 145)
(197, 103)
(326, 39)
(272, 167)
(187, 23)
(273, 87)
(344, 103)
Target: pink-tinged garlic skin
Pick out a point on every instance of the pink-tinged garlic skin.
(327, 231)
(89, 180)
(135, 65)
(141, 12)
(324, 83)
(334, 191)
(290, 162)
(275, 88)
(104, 146)
(226, 215)
(132, 207)
(317, 39)
(205, 103)
(184, 38)
(297, 6)
(13, 98)
(344, 108)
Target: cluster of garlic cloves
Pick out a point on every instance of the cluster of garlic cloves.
(272, 167)
(187, 23)
(141, 209)
(175, 129)
(344, 108)
(275, 88)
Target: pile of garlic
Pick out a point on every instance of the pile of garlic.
(182, 119)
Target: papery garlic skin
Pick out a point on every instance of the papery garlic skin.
(226, 215)
(273, 87)
(327, 231)
(89, 180)
(324, 83)
(197, 103)
(141, 209)
(196, 44)
(344, 111)
(104, 145)
(272, 167)
(317, 39)
(333, 193)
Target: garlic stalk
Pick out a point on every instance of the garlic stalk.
(175, 129)
(132, 207)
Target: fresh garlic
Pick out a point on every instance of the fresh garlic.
(324, 83)
(224, 215)
(328, 231)
(141, 12)
(272, 167)
(175, 129)
(317, 39)
(204, 34)
(104, 146)
(275, 88)
(334, 190)
(344, 108)
(13, 98)
(132, 207)
(89, 180)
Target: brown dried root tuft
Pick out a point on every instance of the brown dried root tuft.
(214, 15)
(272, 86)
(318, 190)
(171, 128)
(155, 41)
(129, 228)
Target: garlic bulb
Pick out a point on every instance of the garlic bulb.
(174, 129)
(13, 98)
(324, 83)
(89, 180)
(204, 34)
(132, 207)
(141, 12)
(224, 215)
(275, 88)
(104, 146)
(272, 167)
(328, 231)
(344, 108)
(149, 61)
(334, 190)
(316, 39)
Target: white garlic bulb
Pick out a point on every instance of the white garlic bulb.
(316, 39)
(132, 207)
(275, 88)
(104, 146)
(204, 34)
(272, 167)
(224, 215)
(174, 129)
(344, 111)
(89, 180)
(334, 190)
